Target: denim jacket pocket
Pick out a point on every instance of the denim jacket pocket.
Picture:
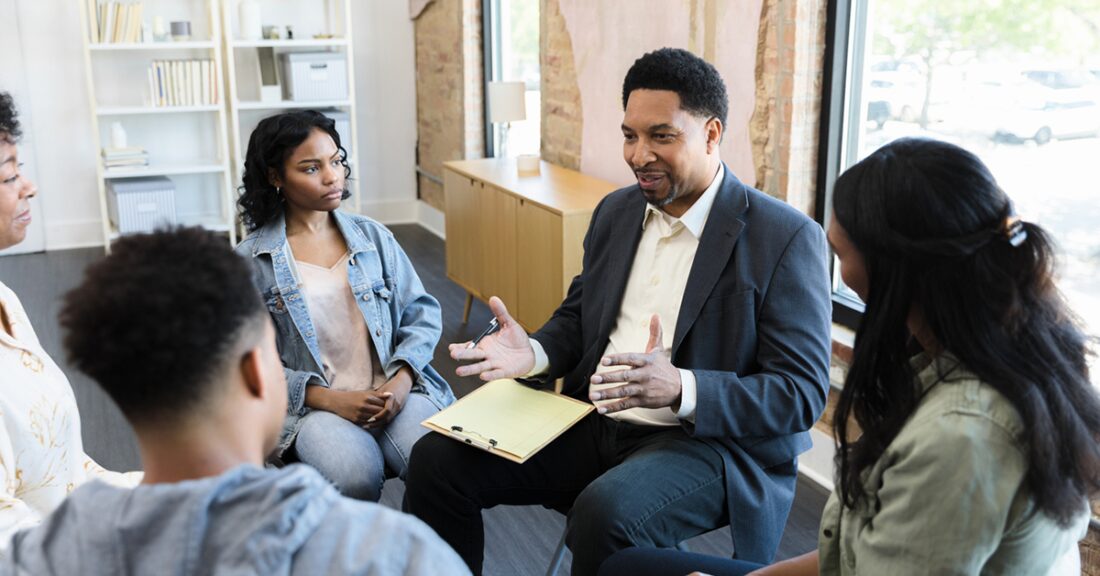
(379, 288)
(274, 301)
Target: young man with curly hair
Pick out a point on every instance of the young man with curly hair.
(171, 328)
(699, 326)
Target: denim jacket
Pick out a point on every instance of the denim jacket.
(404, 321)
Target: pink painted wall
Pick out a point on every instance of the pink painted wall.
(608, 35)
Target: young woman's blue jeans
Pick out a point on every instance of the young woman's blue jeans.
(355, 459)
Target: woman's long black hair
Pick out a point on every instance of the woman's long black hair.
(271, 143)
(938, 235)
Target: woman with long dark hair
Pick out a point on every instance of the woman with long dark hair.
(355, 328)
(967, 429)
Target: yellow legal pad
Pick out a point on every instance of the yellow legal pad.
(508, 419)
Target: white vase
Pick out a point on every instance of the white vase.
(251, 25)
(118, 135)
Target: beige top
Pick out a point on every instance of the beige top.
(348, 357)
(948, 495)
(42, 455)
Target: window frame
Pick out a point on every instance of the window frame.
(840, 103)
(490, 67)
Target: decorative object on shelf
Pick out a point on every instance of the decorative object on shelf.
(124, 157)
(141, 204)
(251, 25)
(289, 32)
(528, 164)
(315, 75)
(181, 30)
(146, 32)
(507, 104)
(270, 89)
(160, 30)
(118, 135)
(272, 33)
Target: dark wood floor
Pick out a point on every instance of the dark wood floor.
(40, 280)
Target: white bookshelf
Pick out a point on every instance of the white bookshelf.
(309, 18)
(292, 105)
(312, 43)
(166, 169)
(151, 46)
(146, 109)
(189, 144)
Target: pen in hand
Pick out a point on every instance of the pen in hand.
(493, 327)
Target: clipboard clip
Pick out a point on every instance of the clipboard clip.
(468, 437)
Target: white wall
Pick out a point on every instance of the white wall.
(52, 61)
(385, 87)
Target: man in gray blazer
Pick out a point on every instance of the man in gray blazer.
(695, 427)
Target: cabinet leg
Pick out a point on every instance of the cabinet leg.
(466, 311)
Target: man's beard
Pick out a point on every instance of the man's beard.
(673, 194)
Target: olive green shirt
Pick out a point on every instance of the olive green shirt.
(948, 495)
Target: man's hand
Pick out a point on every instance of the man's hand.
(355, 407)
(398, 389)
(505, 354)
(651, 382)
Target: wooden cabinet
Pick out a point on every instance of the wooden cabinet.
(517, 236)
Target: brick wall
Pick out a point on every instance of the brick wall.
(561, 96)
(473, 81)
(1090, 547)
(448, 89)
(786, 122)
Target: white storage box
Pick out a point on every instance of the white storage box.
(141, 204)
(311, 76)
(343, 127)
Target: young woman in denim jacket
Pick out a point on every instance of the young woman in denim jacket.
(359, 383)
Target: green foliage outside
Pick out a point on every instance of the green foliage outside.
(933, 32)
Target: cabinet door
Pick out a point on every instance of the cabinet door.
(497, 250)
(539, 283)
(460, 196)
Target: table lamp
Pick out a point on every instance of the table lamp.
(506, 105)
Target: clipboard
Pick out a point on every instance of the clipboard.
(509, 419)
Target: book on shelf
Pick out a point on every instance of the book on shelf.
(115, 22)
(124, 157)
(182, 83)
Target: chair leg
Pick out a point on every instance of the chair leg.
(559, 554)
(466, 311)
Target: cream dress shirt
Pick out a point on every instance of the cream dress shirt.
(42, 455)
(658, 278)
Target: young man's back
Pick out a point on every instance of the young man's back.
(169, 325)
(245, 521)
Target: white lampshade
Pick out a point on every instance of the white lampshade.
(507, 102)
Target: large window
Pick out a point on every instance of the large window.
(513, 49)
(1017, 82)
